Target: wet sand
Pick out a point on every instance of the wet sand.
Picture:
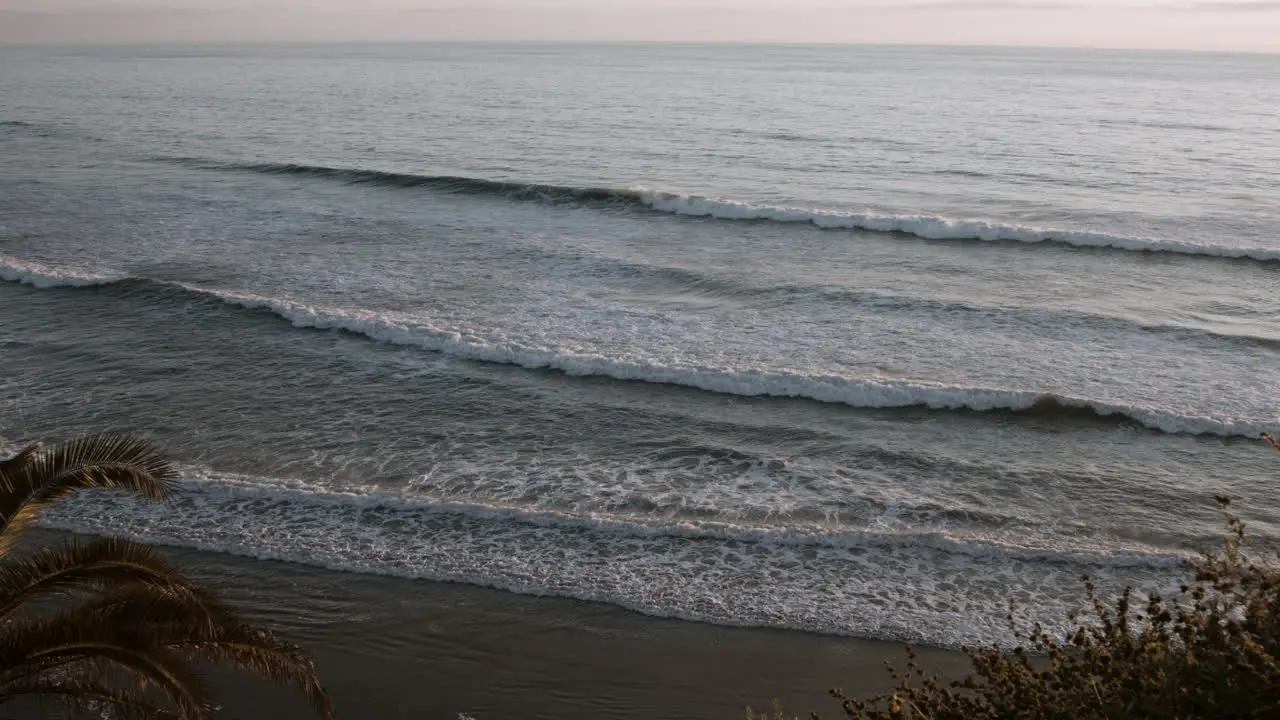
(394, 648)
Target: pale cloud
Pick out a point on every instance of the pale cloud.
(1245, 25)
(1230, 6)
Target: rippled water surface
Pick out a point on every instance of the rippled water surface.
(855, 340)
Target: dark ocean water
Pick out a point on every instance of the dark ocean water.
(856, 340)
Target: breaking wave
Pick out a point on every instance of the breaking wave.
(44, 276)
(858, 392)
(935, 587)
(927, 227)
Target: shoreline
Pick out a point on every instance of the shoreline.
(397, 648)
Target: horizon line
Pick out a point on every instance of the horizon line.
(587, 42)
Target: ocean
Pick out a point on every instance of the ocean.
(854, 340)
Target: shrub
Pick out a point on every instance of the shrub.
(1210, 651)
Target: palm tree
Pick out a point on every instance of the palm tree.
(108, 626)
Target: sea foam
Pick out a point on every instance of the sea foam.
(44, 276)
(858, 392)
(869, 392)
(940, 588)
(936, 228)
(855, 392)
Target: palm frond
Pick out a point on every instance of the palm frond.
(99, 565)
(81, 644)
(168, 612)
(93, 696)
(200, 627)
(257, 651)
(37, 478)
(137, 615)
(10, 465)
(109, 460)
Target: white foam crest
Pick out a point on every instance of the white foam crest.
(230, 487)
(855, 392)
(44, 276)
(872, 392)
(900, 588)
(933, 227)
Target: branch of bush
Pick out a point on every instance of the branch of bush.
(1210, 651)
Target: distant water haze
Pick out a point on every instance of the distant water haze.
(1220, 25)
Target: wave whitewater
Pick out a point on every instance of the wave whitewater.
(917, 586)
(871, 393)
(258, 491)
(927, 227)
(42, 276)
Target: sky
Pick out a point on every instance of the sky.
(1230, 25)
